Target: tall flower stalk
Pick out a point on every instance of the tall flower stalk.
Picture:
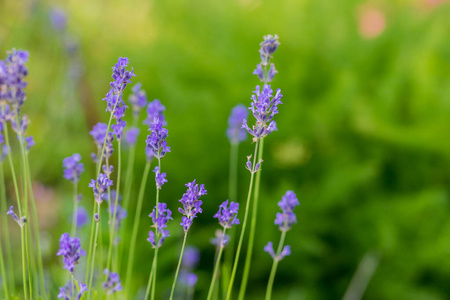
(284, 220)
(227, 218)
(191, 207)
(72, 172)
(263, 109)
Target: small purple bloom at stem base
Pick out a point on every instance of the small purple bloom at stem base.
(227, 216)
(70, 249)
(220, 240)
(112, 283)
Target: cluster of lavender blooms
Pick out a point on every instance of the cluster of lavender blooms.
(73, 168)
(98, 132)
(160, 178)
(66, 293)
(156, 141)
(284, 220)
(100, 187)
(191, 204)
(112, 283)
(21, 221)
(70, 249)
(227, 217)
(235, 132)
(160, 216)
(268, 47)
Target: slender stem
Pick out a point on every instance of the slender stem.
(16, 189)
(157, 235)
(72, 287)
(216, 267)
(90, 242)
(155, 267)
(3, 272)
(113, 225)
(93, 252)
(244, 224)
(251, 240)
(30, 269)
(75, 209)
(178, 267)
(150, 279)
(24, 269)
(36, 229)
(3, 208)
(137, 218)
(274, 267)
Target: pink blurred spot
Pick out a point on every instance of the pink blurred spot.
(371, 22)
(433, 2)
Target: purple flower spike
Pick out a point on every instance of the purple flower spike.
(159, 222)
(121, 76)
(118, 128)
(100, 186)
(191, 204)
(12, 78)
(138, 99)
(98, 133)
(22, 126)
(70, 249)
(82, 217)
(235, 132)
(58, 18)
(286, 218)
(220, 240)
(155, 110)
(268, 47)
(227, 216)
(269, 249)
(156, 141)
(73, 168)
(264, 107)
(160, 178)
(131, 136)
(62, 294)
(20, 221)
(113, 283)
(259, 72)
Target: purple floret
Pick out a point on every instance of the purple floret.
(285, 252)
(131, 136)
(264, 107)
(12, 74)
(155, 110)
(235, 132)
(160, 223)
(286, 218)
(73, 168)
(160, 178)
(220, 239)
(138, 98)
(156, 141)
(191, 204)
(100, 186)
(70, 249)
(112, 283)
(227, 216)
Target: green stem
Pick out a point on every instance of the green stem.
(155, 267)
(150, 279)
(113, 225)
(244, 224)
(274, 267)
(251, 240)
(137, 218)
(216, 268)
(3, 272)
(75, 209)
(24, 269)
(157, 235)
(93, 252)
(178, 267)
(3, 208)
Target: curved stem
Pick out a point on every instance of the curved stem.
(75, 209)
(216, 268)
(244, 224)
(251, 240)
(150, 280)
(3, 272)
(93, 253)
(137, 217)
(274, 267)
(178, 267)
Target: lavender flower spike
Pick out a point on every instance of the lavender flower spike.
(286, 218)
(73, 168)
(100, 186)
(12, 74)
(264, 107)
(220, 240)
(155, 110)
(235, 132)
(160, 178)
(191, 204)
(138, 99)
(70, 249)
(113, 283)
(156, 141)
(227, 216)
(68, 295)
(160, 222)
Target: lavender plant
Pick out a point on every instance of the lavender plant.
(264, 106)
(284, 220)
(191, 207)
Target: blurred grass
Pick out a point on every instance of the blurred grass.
(361, 140)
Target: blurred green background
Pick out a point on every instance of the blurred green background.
(362, 134)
